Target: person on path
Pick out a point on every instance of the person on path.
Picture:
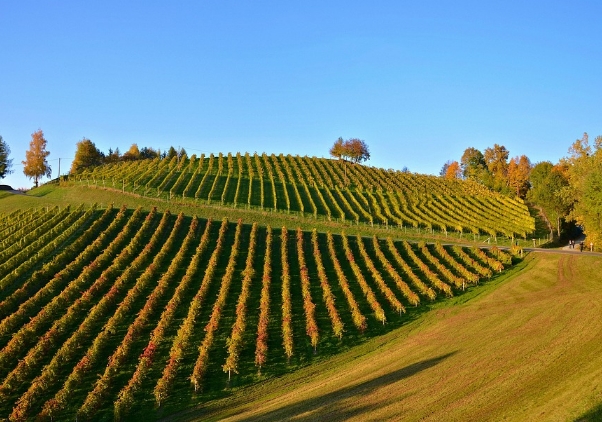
(591, 246)
(581, 247)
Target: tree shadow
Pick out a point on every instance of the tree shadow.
(594, 414)
(334, 406)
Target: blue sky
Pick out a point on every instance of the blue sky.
(418, 81)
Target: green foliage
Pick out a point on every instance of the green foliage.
(86, 155)
(5, 162)
(549, 188)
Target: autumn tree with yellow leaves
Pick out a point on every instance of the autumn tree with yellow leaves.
(35, 165)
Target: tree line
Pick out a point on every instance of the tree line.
(569, 191)
(492, 169)
(88, 155)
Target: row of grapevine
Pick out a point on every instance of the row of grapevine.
(123, 321)
(95, 398)
(68, 350)
(200, 366)
(261, 347)
(287, 308)
(182, 338)
(325, 187)
(126, 397)
(358, 318)
(308, 304)
(235, 340)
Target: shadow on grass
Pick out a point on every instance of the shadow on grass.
(594, 414)
(335, 405)
(41, 191)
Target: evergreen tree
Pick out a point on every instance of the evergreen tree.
(5, 162)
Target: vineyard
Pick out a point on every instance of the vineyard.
(318, 187)
(109, 312)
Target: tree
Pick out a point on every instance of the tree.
(584, 169)
(5, 163)
(356, 150)
(337, 150)
(353, 149)
(113, 156)
(131, 154)
(171, 153)
(86, 155)
(473, 164)
(519, 170)
(147, 152)
(453, 170)
(549, 185)
(35, 164)
(496, 159)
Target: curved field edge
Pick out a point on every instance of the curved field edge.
(524, 347)
(52, 194)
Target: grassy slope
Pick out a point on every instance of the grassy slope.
(526, 347)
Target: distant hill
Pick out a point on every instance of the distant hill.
(330, 189)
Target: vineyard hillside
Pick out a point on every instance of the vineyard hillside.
(107, 312)
(334, 190)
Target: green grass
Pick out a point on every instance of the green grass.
(525, 346)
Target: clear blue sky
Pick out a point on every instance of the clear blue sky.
(418, 81)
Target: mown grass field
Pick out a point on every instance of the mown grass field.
(524, 348)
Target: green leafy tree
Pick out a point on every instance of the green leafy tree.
(113, 156)
(549, 187)
(496, 159)
(86, 155)
(584, 168)
(147, 152)
(5, 162)
(473, 164)
(35, 165)
(171, 153)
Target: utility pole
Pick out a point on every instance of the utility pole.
(59, 170)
